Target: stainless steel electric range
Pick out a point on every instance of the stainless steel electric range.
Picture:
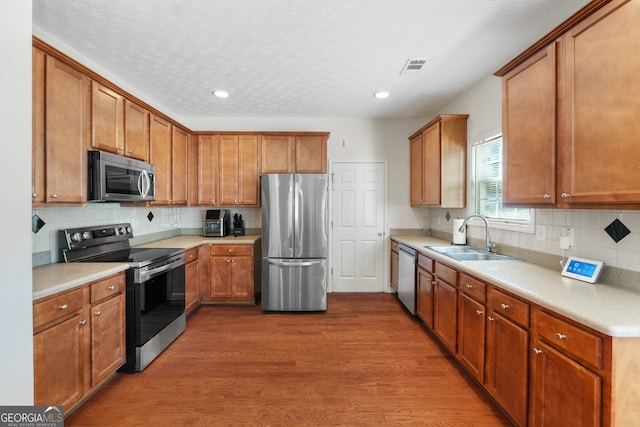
(155, 291)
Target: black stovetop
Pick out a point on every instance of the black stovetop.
(136, 257)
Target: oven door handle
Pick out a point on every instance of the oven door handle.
(150, 274)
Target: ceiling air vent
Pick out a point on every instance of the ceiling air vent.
(413, 64)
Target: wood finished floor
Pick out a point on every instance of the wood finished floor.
(365, 362)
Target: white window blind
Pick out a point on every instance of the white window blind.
(486, 184)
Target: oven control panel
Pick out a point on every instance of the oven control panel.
(76, 238)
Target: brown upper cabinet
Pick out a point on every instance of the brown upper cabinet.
(168, 152)
(438, 162)
(570, 113)
(179, 165)
(107, 117)
(37, 123)
(118, 125)
(66, 132)
(208, 158)
(238, 170)
(160, 156)
(294, 153)
(136, 131)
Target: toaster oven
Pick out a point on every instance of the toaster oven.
(216, 222)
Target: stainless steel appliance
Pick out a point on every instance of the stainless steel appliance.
(216, 222)
(407, 277)
(114, 178)
(294, 242)
(155, 289)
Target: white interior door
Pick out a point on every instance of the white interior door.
(357, 227)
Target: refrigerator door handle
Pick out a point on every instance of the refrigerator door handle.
(294, 264)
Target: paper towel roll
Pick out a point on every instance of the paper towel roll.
(459, 237)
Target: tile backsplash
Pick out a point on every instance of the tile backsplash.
(591, 239)
(165, 220)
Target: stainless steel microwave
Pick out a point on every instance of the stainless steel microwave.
(114, 178)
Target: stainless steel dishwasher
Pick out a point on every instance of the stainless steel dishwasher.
(407, 277)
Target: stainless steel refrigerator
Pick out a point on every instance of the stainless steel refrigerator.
(294, 242)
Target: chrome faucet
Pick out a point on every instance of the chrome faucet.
(488, 244)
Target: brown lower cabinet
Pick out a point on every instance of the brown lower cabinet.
(445, 302)
(425, 285)
(191, 279)
(395, 261)
(232, 273)
(79, 341)
(542, 368)
(507, 351)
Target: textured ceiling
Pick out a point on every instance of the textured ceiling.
(299, 58)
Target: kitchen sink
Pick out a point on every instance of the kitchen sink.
(469, 253)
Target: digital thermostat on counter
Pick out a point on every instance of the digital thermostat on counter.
(583, 269)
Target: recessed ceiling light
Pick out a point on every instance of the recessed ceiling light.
(221, 93)
(381, 94)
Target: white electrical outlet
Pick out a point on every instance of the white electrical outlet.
(567, 237)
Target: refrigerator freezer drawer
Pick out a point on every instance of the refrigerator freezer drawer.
(294, 285)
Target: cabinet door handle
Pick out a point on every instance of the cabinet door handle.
(63, 307)
(491, 319)
(537, 351)
(228, 260)
(565, 195)
(546, 196)
(479, 312)
(560, 336)
(469, 286)
(83, 322)
(504, 306)
(34, 195)
(54, 196)
(112, 287)
(98, 313)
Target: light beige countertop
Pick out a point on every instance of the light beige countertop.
(53, 278)
(612, 310)
(191, 241)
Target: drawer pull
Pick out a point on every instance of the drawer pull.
(98, 313)
(504, 306)
(112, 288)
(228, 260)
(469, 286)
(83, 322)
(63, 307)
(491, 319)
(560, 336)
(478, 312)
(537, 351)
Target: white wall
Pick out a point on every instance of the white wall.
(16, 336)
(483, 103)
